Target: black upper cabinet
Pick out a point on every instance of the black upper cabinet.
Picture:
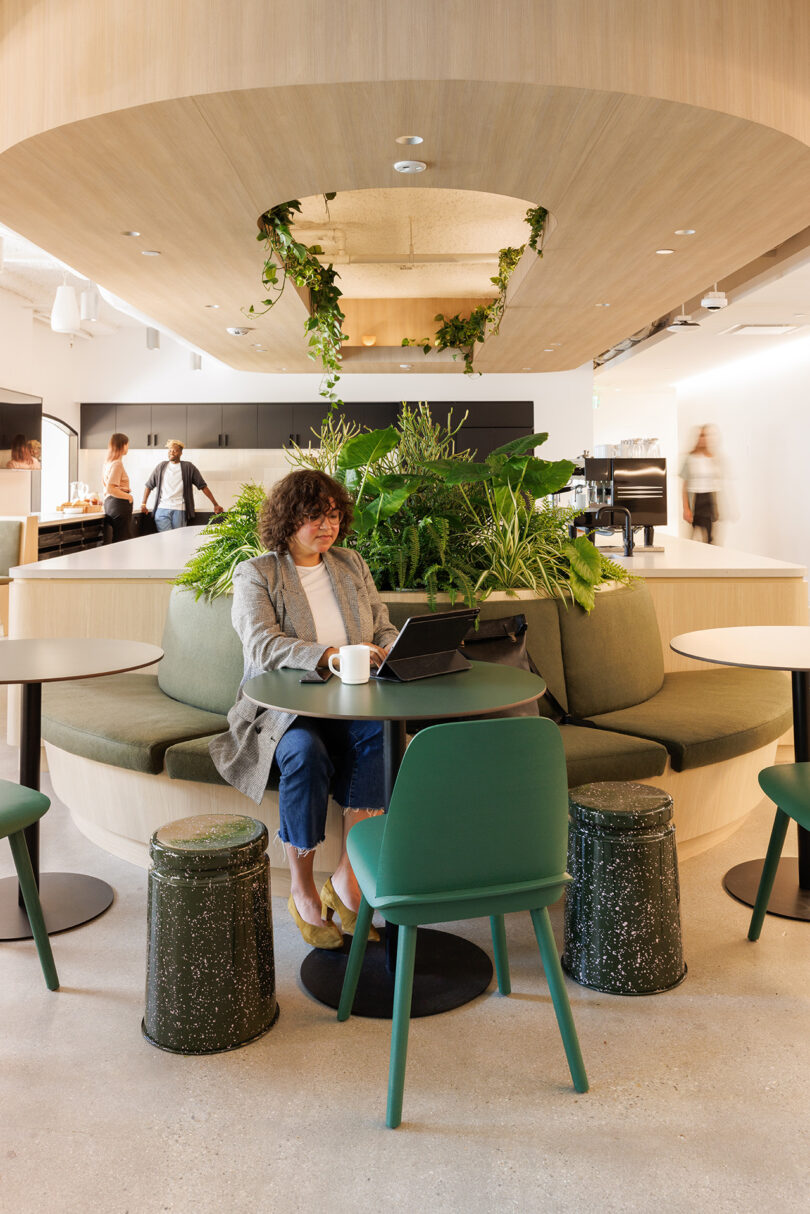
(480, 413)
(275, 426)
(222, 426)
(169, 421)
(136, 422)
(97, 424)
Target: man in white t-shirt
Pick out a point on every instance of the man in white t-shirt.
(175, 480)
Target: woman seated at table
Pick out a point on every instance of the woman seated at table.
(294, 607)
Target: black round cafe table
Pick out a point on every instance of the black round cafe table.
(767, 647)
(449, 970)
(68, 899)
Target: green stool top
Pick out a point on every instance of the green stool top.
(209, 841)
(788, 786)
(619, 805)
(19, 807)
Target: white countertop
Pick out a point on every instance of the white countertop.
(164, 554)
(61, 517)
(160, 556)
(690, 559)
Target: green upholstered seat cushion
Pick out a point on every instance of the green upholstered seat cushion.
(19, 807)
(203, 662)
(10, 536)
(706, 716)
(593, 754)
(192, 761)
(613, 657)
(124, 720)
(542, 637)
(788, 786)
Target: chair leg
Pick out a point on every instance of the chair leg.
(501, 954)
(355, 963)
(33, 907)
(777, 840)
(403, 990)
(559, 997)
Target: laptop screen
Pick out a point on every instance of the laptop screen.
(435, 632)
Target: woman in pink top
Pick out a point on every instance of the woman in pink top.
(22, 455)
(115, 490)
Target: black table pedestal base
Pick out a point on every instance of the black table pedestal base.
(68, 899)
(449, 972)
(787, 900)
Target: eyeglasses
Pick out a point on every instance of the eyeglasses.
(333, 517)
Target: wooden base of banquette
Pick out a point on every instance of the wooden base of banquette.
(120, 809)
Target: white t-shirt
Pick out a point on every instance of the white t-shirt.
(171, 489)
(329, 627)
(702, 473)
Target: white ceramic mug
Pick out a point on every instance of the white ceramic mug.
(355, 663)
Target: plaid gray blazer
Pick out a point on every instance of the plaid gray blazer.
(272, 617)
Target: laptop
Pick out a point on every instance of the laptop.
(427, 645)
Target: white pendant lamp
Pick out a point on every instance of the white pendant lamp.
(90, 302)
(65, 310)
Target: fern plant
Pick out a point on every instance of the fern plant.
(235, 538)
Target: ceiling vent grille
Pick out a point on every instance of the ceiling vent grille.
(755, 330)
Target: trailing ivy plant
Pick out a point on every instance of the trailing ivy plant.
(299, 262)
(461, 333)
(234, 538)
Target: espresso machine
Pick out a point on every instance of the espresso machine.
(624, 492)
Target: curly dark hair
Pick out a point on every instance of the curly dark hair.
(299, 496)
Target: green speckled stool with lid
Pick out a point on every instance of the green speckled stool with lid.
(210, 972)
(622, 909)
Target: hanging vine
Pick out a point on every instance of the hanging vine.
(289, 258)
(461, 333)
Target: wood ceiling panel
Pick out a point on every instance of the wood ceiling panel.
(618, 172)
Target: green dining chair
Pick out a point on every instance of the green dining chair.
(21, 807)
(788, 785)
(477, 826)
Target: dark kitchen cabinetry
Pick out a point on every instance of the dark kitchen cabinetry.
(275, 426)
(72, 535)
(222, 426)
(146, 426)
(489, 423)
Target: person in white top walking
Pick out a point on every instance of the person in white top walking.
(175, 480)
(702, 475)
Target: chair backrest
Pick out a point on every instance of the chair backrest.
(203, 654)
(613, 656)
(477, 803)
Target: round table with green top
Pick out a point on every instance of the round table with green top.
(449, 971)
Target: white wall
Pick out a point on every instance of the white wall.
(761, 407)
(623, 413)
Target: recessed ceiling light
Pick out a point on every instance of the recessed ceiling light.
(133, 233)
(410, 166)
(664, 252)
(527, 368)
(685, 231)
(212, 305)
(150, 252)
(549, 350)
(405, 366)
(238, 330)
(603, 305)
(409, 139)
(555, 343)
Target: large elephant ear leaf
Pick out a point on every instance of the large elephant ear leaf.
(364, 449)
(520, 446)
(382, 507)
(458, 471)
(585, 559)
(543, 477)
(582, 591)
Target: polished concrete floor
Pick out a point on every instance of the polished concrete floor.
(698, 1100)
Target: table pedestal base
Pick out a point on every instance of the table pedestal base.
(787, 899)
(68, 899)
(449, 972)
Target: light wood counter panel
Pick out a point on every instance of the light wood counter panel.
(626, 119)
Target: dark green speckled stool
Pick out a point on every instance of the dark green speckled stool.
(622, 909)
(210, 972)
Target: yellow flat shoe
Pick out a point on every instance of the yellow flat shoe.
(325, 936)
(330, 903)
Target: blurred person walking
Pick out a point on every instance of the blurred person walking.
(702, 476)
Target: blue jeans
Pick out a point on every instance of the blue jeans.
(167, 520)
(315, 754)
